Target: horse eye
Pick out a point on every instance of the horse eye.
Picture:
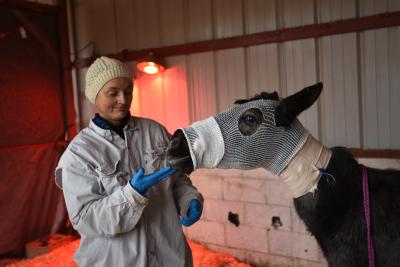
(250, 121)
(250, 118)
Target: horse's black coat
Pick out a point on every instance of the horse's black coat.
(334, 214)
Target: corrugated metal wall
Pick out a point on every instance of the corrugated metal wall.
(361, 71)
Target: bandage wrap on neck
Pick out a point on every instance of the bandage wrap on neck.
(303, 171)
(221, 144)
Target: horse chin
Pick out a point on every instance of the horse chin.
(184, 164)
(178, 153)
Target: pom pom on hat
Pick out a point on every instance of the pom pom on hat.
(101, 71)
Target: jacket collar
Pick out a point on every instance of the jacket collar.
(107, 130)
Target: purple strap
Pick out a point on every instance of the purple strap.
(371, 256)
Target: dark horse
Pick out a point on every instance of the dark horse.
(326, 183)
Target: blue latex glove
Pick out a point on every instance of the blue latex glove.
(194, 213)
(141, 182)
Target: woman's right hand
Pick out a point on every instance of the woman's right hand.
(141, 182)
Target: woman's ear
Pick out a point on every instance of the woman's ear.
(291, 106)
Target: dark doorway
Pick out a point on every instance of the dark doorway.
(35, 115)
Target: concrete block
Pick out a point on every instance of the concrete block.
(207, 232)
(239, 189)
(218, 172)
(218, 210)
(298, 225)
(306, 247)
(259, 173)
(245, 237)
(277, 193)
(210, 187)
(260, 215)
(294, 245)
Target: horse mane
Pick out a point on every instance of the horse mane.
(263, 95)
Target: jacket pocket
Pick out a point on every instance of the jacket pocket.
(154, 158)
(111, 177)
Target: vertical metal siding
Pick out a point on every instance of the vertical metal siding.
(332, 10)
(338, 68)
(262, 60)
(377, 91)
(146, 18)
(340, 116)
(299, 71)
(298, 61)
(228, 18)
(259, 15)
(175, 94)
(104, 29)
(394, 84)
(202, 86)
(125, 14)
(262, 69)
(360, 71)
(84, 22)
(199, 20)
(231, 80)
(172, 22)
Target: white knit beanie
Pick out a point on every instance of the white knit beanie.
(101, 71)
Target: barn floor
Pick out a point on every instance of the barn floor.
(61, 255)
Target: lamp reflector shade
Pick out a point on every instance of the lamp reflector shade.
(150, 67)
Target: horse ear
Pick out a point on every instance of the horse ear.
(290, 107)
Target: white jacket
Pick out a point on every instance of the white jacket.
(119, 226)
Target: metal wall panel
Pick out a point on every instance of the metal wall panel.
(394, 85)
(332, 10)
(340, 99)
(171, 22)
(126, 25)
(380, 62)
(295, 13)
(102, 15)
(83, 22)
(259, 16)
(175, 94)
(231, 80)
(262, 69)
(199, 20)
(147, 21)
(228, 18)
(372, 7)
(298, 70)
(262, 60)
(202, 86)
(151, 97)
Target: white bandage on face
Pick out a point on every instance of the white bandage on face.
(206, 144)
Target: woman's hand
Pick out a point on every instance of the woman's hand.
(194, 213)
(141, 183)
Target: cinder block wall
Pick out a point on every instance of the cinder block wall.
(257, 196)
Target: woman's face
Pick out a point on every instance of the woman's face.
(114, 100)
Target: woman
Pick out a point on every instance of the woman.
(125, 218)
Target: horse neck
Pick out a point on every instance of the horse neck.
(304, 169)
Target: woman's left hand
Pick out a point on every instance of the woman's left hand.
(194, 213)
